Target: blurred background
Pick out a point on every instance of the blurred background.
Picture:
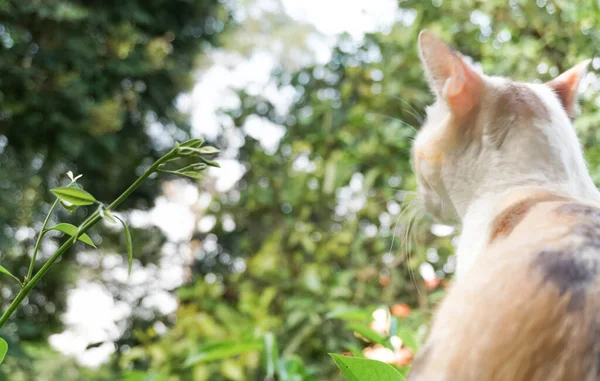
(306, 241)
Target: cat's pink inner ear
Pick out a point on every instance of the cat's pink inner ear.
(463, 89)
(566, 86)
(449, 75)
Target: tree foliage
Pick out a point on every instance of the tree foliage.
(323, 234)
(315, 221)
(85, 86)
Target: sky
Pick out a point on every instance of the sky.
(92, 314)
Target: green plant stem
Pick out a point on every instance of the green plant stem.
(85, 225)
(39, 241)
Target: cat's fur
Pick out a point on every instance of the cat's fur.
(503, 158)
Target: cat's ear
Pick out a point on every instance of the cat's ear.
(566, 86)
(449, 75)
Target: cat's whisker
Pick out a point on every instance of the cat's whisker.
(412, 111)
(410, 236)
(411, 212)
(403, 211)
(395, 119)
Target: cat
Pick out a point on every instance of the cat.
(503, 158)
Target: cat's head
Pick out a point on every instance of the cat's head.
(485, 134)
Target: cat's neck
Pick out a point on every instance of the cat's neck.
(479, 215)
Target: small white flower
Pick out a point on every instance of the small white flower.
(70, 174)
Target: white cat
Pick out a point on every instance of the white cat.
(503, 158)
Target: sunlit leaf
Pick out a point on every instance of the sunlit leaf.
(3, 349)
(355, 350)
(222, 350)
(357, 369)
(71, 208)
(192, 175)
(74, 196)
(271, 354)
(129, 245)
(72, 231)
(138, 376)
(194, 143)
(187, 151)
(208, 150)
(210, 163)
(193, 167)
(3, 270)
(409, 338)
(349, 313)
(366, 332)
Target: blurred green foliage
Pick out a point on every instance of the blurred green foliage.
(325, 228)
(82, 83)
(315, 220)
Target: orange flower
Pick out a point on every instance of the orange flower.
(432, 284)
(400, 357)
(400, 310)
(384, 280)
(380, 353)
(403, 357)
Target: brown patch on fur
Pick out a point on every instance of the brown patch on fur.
(519, 100)
(430, 157)
(515, 104)
(509, 218)
(529, 311)
(505, 322)
(573, 267)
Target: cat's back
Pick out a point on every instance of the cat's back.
(529, 309)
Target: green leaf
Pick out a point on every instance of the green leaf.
(193, 167)
(208, 150)
(366, 332)
(292, 368)
(222, 350)
(190, 174)
(349, 313)
(3, 349)
(409, 338)
(194, 143)
(5, 271)
(74, 196)
(72, 231)
(188, 151)
(355, 369)
(137, 376)
(271, 354)
(192, 171)
(210, 163)
(129, 245)
(355, 350)
(70, 208)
